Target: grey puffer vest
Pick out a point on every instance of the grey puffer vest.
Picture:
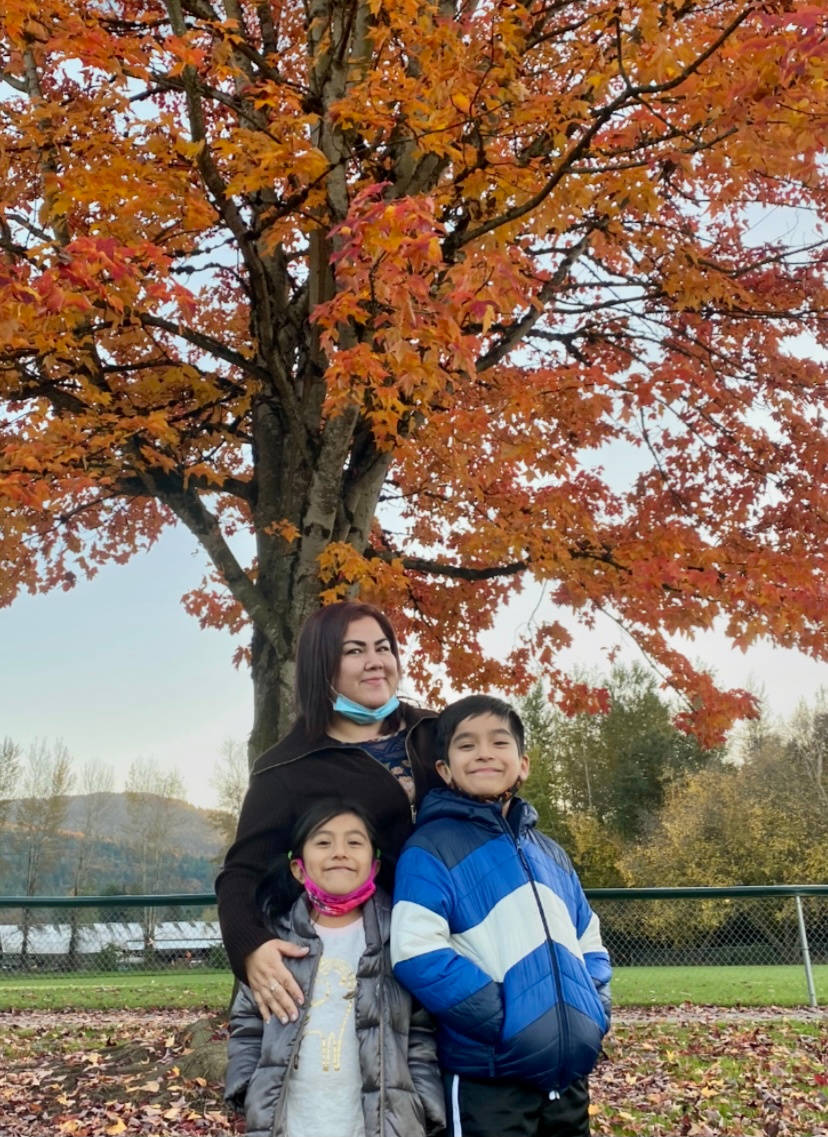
(402, 1093)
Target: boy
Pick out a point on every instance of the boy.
(491, 931)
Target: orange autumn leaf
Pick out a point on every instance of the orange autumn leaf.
(513, 292)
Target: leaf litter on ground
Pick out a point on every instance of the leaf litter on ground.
(668, 1072)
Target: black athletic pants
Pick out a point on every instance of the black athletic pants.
(508, 1109)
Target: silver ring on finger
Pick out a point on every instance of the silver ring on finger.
(275, 985)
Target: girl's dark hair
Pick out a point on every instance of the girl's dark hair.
(319, 655)
(278, 888)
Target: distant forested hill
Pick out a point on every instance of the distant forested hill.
(189, 845)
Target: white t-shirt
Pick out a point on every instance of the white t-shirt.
(324, 1092)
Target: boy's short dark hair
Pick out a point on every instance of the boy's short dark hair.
(472, 705)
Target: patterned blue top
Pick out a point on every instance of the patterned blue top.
(390, 752)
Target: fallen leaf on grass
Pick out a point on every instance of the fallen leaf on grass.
(689, 1076)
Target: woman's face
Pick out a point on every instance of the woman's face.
(337, 856)
(368, 672)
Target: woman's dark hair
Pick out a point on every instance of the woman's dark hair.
(319, 655)
(278, 888)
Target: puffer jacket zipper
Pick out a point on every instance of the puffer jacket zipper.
(292, 1056)
(381, 1002)
(563, 1025)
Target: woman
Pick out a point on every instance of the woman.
(354, 738)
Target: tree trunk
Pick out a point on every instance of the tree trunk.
(273, 706)
(272, 671)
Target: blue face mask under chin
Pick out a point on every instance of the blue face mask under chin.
(363, 715)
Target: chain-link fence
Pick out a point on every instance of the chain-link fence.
(683, 927)
(713, 927)
(716, 927)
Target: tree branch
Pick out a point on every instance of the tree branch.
(190, 509)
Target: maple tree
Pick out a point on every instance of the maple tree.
(387, 284)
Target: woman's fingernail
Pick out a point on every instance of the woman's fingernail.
(283, 1021)
(294, 1017)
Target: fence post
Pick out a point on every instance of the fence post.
(806, 955)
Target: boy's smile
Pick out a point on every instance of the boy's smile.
(483, 757)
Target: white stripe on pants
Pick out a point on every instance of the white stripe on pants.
(455, 1106)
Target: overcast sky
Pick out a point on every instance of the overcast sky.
(117, 670)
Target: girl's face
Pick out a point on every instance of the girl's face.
(337, 856)
(368, 671)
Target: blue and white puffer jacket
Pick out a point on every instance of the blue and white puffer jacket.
(492, 932)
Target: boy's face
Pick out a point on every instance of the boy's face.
(483, 757)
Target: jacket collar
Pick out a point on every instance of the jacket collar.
(445, 803)
(297, 743)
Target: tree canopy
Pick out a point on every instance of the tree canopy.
(761, 820)
(386, 283)
(615, 767)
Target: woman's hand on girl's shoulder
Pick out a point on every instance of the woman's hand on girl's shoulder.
(274, 988)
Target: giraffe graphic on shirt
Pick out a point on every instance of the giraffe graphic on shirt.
(335, 983)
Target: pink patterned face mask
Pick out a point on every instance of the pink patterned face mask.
(332, 904)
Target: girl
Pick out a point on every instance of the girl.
(353, 737)
(355, 1062)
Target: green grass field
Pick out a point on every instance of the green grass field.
(717, 986)
(196, 989)
(120, 990)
